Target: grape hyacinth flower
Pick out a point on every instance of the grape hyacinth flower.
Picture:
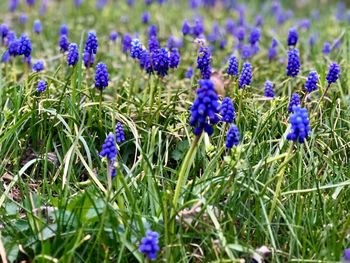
(232, 137)
(189, 73)
(145, 17)
(91, 43)
(38, 66)
(259, 20)
(294, 101)
(232, 66)
(37, 28)
(240, 34)
(64, 43)
(88, 59)
(230, 26)
(227, 110)
(136, 48)
(41, 86)
(300, 129)
(4, 30)
(272, 53)
(174, 58)
(30, 2)
(13, 47)
(246, 76)
(186, 28)
(160, 59)
(73, 54)
(152, 30)
(254, 36)
(198, 28)
(23, 19)
(119, 133)
(109, 149)
(113, 36)
(24, 46)
(293, 65)
(311, 82)
(149, 245)
(13, 4)
(64, 31)
(101, 76)
(346, 255)
(205, 109)
(78, 3)
(292, 37)
(5, 57)
(153, 44)
(333, 73)
(126, 43)
(269, 92)
(246, 52)
(327, 48)
(145, 61)
(203, 62)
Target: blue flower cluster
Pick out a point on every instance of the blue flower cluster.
(153, 44)
(292, 39)
(73, 54)
(90, 49)
(174, 58)
(37, 27)
(232, 66)
(109, 149)
(311, 82)
(186, 28)
(269, 92)
(232, 137)
(24, 46)
(189, 73)
(126, 43)
(64, 43)
(293, 65)
(327, 48)
(246, 75)
(41, 86)
(205, 108)
(38, 66)
(136, 48)
(203, 62)
(149, 245)
(300, 129)
(101, 76)
(145, 61)
(294, 101)
(272, 53)
(333, 73)
(119, 133)
(227, 110)
(160, 60)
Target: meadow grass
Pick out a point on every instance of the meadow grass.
(58, 204)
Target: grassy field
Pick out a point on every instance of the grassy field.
(267, 199)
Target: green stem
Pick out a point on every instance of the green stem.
(280, 177)
(322, 97)
(241, 92)
(184, 171)
(100, 111)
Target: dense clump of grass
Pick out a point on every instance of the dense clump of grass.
(58, 202)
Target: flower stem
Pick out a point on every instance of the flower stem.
(280, 177)
(184, 172)
(100, 111)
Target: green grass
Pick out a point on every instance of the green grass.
(55, 205)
